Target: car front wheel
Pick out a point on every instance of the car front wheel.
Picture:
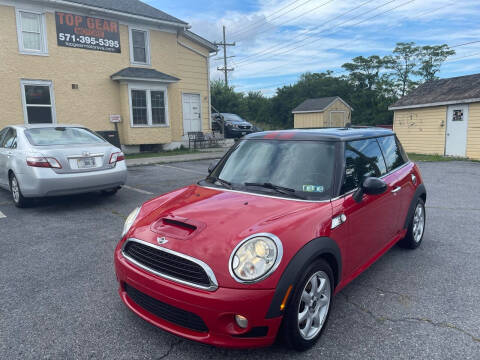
(307, 313)
(415, 232)
(18, 199)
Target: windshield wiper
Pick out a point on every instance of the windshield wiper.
(225, 183)
(277, 188)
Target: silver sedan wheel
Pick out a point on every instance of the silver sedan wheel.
(314, 305)
(418, 222)
(15, 189)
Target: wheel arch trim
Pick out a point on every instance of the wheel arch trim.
(419, 192)
(314, 249)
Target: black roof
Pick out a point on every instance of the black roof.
(443, 90)
(134, 7)
(327, 134)
(316, 104)
(143, 73)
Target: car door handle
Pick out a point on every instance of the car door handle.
(397, 189)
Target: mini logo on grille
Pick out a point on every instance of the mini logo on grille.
(161, 240)
(85, 153)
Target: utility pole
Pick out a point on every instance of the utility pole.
(225, 68)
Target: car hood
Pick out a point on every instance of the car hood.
(207, 223)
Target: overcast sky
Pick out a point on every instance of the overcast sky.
(277, 40)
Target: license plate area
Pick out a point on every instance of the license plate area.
(86, 163)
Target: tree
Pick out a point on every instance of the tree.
(431, 59)
(225, 99)
(403, 62)
(365, 72)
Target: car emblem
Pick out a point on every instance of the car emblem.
(162, 240)
(85, 153)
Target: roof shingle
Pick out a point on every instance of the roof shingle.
(442, 91)
(317, 104)
(143, 73)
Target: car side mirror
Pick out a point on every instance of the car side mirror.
(370, 186)
(212, 166)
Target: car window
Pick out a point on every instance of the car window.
(363, 158)
(62, 136)
(393, 153)
(10, 140)
(2, 135)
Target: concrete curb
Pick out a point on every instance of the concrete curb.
(175, 158)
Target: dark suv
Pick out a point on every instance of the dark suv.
(258, 248)
(232, 125)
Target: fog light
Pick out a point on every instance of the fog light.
(241, 321)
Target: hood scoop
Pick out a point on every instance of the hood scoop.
(177, 227)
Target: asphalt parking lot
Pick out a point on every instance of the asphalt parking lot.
(59, 298)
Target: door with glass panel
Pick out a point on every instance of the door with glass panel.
(192, 114)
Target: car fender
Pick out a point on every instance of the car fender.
(418, 192)
(308, 253)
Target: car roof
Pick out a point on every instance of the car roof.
(326, 134)
(37, 126)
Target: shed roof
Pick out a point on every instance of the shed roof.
(317, 104)
(143, 74)
(461, 89)
(134, 7)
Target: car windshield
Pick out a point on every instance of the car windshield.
(232, 118)
(61, 136)
(300, 169)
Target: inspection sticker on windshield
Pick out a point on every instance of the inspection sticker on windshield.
(313, 188)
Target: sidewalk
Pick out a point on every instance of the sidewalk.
(206, 155)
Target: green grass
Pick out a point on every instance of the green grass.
(425, 157)
(182, 151)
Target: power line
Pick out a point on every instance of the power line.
(260, 23)
(298, 16)
(354, 24)
(280, 46)
(467, 43)
(225, 68)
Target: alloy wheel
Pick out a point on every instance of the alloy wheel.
(418, 223)
(314, 305)
(15, 189)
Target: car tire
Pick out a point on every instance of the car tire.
(18, 199)
(303, 323)
(416, 229)
(109, 192)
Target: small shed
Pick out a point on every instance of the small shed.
(322, 112)
(441, 117)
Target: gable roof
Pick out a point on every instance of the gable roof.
(143, 74)
(317, 104)
(132, 7)
(461, 89)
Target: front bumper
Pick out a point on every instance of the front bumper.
(45, 182)
(236, 132)
(217, 309)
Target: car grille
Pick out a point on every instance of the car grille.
(165, 311)
(166, 264)
(244, 127)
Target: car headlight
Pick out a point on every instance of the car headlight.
(255, 258)
(130, 220)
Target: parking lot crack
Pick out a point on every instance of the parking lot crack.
(169, 351)
(382, 319)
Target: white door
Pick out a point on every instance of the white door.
(457, 125)
(192, 114)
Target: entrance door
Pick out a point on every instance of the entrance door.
(457, 124)
(192, 114)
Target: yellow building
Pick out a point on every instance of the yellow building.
(94, 62)
(322, 112)
(441, 117)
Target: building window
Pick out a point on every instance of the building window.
(149, 107)
(31, 32)
(38, 104)
(139, 47)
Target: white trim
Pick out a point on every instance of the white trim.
(191, 49)
(48, 83)
(201, 111)
(440, 103)
(148, 88)
(198, 39)
(43, 32)
(118, 13)
(147, 45)
(209, 96)
(338, 111)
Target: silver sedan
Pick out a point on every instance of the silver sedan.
(50, 160)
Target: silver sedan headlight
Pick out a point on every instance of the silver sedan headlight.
(130, 220)
(255, 258)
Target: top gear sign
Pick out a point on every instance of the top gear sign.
(86, 32)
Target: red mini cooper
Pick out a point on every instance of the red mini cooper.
(283, 221)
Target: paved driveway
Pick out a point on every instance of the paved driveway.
(58, 293)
